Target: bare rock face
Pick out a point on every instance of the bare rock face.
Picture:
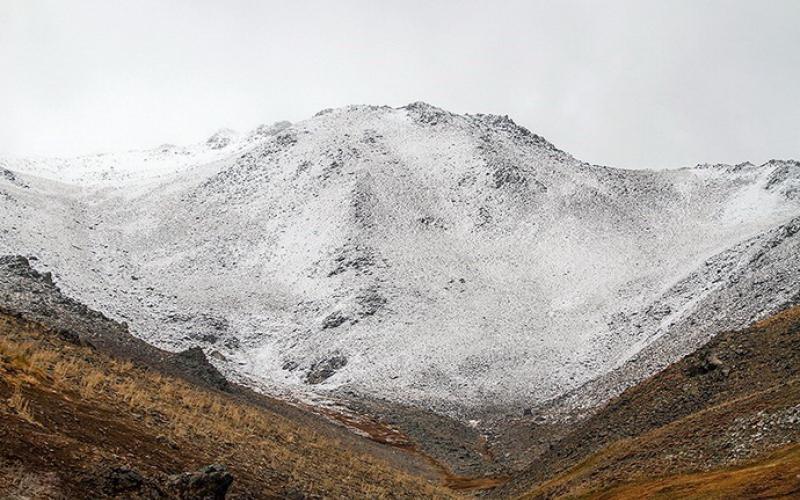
(119, 481)
(122, 481)
(34, 296)
(709, 364)
(333, 320)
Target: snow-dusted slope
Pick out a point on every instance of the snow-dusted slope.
(455, 261)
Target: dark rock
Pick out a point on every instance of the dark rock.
(325, 369)
(432, 222)
(425, 114)
(218, 355)
(293, 493)
(358, 259)
(713, 362)
(220, 139)
(710, 363)
(194, 361)
(209, 338)
(209, 483)
(333, 320)
(11, 177)
(508, 174)
(119, 480)
(69, 336)
(371, 301)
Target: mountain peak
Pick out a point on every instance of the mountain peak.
(221, 138)
(264, 130)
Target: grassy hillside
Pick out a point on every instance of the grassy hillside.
(69, 415)
(776, 476)
(724, 422)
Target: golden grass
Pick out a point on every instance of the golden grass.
(572, 483)
(21, 406)
(242, 435)
(777, 476)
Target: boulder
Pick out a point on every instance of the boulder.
(209, 483)
(323, 370)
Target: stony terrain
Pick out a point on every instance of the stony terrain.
(453, 262)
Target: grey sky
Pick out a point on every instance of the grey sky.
(624, 83)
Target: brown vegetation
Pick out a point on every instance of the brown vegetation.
(776, 476)
(66, 411)
(724, 422)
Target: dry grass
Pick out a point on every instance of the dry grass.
(240, 434)
(777, 476)
(19, 405)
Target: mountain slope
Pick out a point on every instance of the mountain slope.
(457, 262)
(87, 411)
(722, 422)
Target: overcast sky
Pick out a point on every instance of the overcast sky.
(622, 83)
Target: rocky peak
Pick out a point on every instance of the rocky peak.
(221, 138)
(263, 131)
(428, 114)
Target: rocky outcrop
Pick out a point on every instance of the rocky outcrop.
(32, 295)
(195, 363)
(221, 139)
(209, 483)
(119, 481)
(325, 369)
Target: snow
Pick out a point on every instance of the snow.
(476, 264)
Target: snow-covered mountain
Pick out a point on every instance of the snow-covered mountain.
(459, 262)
